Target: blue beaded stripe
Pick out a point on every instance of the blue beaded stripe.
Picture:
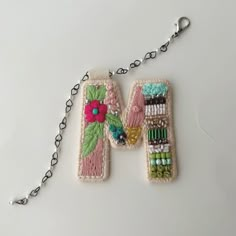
(155, 89)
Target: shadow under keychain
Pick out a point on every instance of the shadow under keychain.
(105, 122)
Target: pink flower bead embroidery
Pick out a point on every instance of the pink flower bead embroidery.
(94, 111)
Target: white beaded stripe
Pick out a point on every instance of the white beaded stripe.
(157, 109)
(159, 148)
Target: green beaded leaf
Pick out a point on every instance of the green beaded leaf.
(90, 92)
(113, 120)
(93, 93)
(100, 130)
(100, 93)
(92, 133)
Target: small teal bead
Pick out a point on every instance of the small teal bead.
(158, 161)
(95, 111)
(153, 162)
(163, 162)
(168, 161)
(112, 128)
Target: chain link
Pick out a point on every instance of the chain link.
(57, 143)
(149, 55)
(74, 91)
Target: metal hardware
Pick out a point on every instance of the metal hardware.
(58, 140)
(182, 24)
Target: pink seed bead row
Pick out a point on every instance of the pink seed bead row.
(111, 99)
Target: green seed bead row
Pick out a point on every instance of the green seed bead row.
(157, 134)
(160, 155)
(160, 172)
(160, 165)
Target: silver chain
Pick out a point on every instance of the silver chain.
(181, 25)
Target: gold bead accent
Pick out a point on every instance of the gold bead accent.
(133, 133)
(156, 122)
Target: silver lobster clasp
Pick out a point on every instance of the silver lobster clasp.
(182, 24)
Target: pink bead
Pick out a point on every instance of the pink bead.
(136, 109)
(114, 108)
(109, 86)
(113, 101)
(107, 100)
(111, 95)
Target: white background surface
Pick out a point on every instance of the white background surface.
(46, 46)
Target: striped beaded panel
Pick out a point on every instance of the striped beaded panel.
(159, 131)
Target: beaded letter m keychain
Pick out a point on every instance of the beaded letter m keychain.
(105, 122)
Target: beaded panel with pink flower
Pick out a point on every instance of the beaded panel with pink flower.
(105, 123)
(101, 126)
